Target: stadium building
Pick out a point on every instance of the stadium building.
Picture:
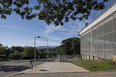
(98, 38)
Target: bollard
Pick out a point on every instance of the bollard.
(31, 62)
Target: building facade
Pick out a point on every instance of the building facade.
(98, 39)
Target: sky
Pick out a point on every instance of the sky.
(17, 32)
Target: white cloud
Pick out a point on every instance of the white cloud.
(70, 29)
(55, 38)
(52, 28)
(16, 27)
(11, 27)
(61, 31)
(39, 43)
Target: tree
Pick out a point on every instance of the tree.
(56, 11)
(14, 52)
(1, 45)
(75, 45)
(17, 48)
(15, 55)
(29, 51)
(8, 51)
(23, 55)
(70, 46)
(66, 46)
(2, 52)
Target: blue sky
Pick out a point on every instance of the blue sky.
(17, 32)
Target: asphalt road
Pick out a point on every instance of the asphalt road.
(11, 67)
(92, 74)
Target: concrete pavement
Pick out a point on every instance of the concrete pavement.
(55, 67)
(61, 69)
(89, 74)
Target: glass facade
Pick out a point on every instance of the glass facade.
(100, 40)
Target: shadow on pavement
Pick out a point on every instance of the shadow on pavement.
(13, 68)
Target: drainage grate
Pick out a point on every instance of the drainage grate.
(43, 70)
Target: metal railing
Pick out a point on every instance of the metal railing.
(105, 10)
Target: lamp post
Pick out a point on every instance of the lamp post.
(47, 45)
(35, 47)
(47, 48)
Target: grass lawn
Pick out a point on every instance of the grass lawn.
(96, 65)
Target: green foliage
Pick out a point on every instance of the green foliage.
(18, 52)
(29, 51)
(8, 51)
(42, 55)
(96, 65)
(2, 52)
(70, 46)
(23, 55)
(17, 48)
(14, 52)
(55, 11)
(15, 55)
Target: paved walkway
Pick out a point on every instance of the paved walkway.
(61, 69)
(66, 75)
(55, 67)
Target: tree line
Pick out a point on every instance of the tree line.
(16, 52)
(69, 46)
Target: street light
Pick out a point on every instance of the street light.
(47, 45)
(35, 47)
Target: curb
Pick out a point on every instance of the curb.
(13, 75)
(2, 63)
(18, 73)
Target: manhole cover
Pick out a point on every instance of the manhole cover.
(43, 70)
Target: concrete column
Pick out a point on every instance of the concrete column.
(96, 58)
(81, 56)
(84, 56)
(87, 57)
(91, 57)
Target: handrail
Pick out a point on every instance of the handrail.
(105, 10)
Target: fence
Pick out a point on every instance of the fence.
(68, 58)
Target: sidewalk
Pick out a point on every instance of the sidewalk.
(67, 75)
(61, 69)
(2, 63)
(55, 67)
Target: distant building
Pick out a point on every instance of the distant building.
(98, 38)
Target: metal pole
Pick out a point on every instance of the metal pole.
(47, 48)
(47, 45)
(34, 48)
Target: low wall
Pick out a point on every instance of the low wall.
(83, 56)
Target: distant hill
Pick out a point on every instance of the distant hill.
(41, 47)
(25, 46)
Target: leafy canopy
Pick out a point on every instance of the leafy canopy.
(56, 11)
(70, 46)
